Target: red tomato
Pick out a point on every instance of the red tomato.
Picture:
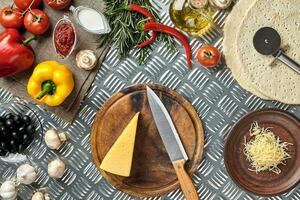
(36, 22)
(25, 4)
(208, 56)
(58, 4)
(11, 17)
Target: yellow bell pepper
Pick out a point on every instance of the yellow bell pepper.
(51, 83)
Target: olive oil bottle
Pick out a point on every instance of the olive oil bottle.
(195, 21)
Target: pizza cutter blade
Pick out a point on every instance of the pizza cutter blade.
(267, 41)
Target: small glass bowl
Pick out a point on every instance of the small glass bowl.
(67, 20)
(19, 107)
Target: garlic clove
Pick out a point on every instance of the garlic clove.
(8, 190)
(199, 3)
(86, 59)
(26, 174)
(62, 136)
(53, 139)
(220, 4)
(38, 196)
(47, 196)
(56, 168)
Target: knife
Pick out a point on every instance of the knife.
(172, 143)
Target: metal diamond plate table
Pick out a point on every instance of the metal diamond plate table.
(217, 97)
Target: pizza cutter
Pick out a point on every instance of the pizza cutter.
(267, 42)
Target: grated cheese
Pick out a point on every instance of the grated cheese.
(264, 150)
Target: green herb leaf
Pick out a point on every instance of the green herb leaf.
(124, 33)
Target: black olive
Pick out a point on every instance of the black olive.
(21, 148)
(13, 146)
(9, 122)
(4, 133)
(26, 119)
(3, 152)
(17, 136)
(14, 134)
(9, 116)
(3, 146)
(17, 120)
(12, 129)
(2, 128)
(21, 129)
(12, 143)
(27, 139)
(4, 136)
(30, 129)
(1, 119)
(14, 150)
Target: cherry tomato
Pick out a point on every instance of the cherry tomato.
(36, 22)
(208, 56)
(25, 4)
(58, 4)
(11, 17)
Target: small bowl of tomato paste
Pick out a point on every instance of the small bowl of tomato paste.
(64, 37)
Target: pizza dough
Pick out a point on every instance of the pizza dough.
(232, 24)
(252, 70)
(279, 82)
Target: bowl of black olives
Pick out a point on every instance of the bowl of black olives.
(20, 131)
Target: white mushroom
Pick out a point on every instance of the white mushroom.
(86, 59)
(199, 3)
(220, 4)
(8, 190)
(40, 196)
(56, 168)
(54, 139)
(26, 174)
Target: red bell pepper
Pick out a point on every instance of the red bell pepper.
(15, 54)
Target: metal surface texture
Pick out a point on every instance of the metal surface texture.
(214, 93)
(166, 127)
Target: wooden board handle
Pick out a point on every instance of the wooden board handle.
(185, 181)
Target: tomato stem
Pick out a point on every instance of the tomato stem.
(32, 2)
(208, 54)
(29, 8)
(37, 18)
(29, 39)
(9, 10)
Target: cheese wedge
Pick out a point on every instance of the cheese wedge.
(118, 160)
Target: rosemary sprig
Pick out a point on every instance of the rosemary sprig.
(125, 34)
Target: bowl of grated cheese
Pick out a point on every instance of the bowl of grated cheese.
(261, 153)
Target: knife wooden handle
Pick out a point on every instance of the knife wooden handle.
(185, 181)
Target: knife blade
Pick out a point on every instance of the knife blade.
(172, 142)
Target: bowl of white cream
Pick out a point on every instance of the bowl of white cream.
(91, 20)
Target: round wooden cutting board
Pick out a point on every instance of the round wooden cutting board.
(265, 183)
(152, 172)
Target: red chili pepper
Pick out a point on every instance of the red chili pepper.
(146, 13)
(148, 41)
(15, 54)
(142, 10)
(172, 31)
